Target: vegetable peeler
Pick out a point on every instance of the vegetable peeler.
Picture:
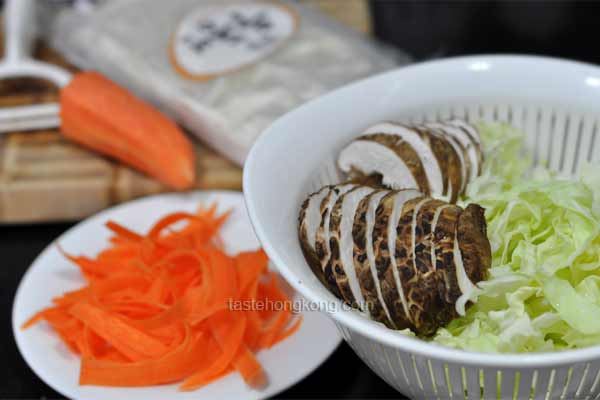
(19, 35)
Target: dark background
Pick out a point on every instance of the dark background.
(424, 29)
(429, 29)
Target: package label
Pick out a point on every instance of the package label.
(218, 39)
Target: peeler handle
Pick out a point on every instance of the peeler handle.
(19, 31)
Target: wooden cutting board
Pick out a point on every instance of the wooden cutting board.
(44, 178)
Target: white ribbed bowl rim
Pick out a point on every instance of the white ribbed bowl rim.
(353, 320)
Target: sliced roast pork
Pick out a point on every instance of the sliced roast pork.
(474, 139)
(434, 176)
(469, 142)
(472, 251)
(468, 128)
(405, 259)
(459, 150)
(472, 237)
(441, 252)
(364, 257)
(342, 246)
(384, 236)
(404, 251)
(424, 225)
(462, 254)
(322, 248)
(429, 309)
(379, 155)
(439, 159)
(444, 234)
(448, 161)
(308, 223)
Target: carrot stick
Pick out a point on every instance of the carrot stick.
(250, 266)
(123, 232)
(202, 315)
(275, 326)
(250, 369)
(161, 307)
(228, 332)
(100, 114)
(167, 221)
(130, 341)
(37, 317)
(171, 367)
(223, 277)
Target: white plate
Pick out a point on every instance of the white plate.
(51, 275)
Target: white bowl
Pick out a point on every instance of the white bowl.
(555, 102)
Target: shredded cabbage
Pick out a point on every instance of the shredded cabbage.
(543, 293)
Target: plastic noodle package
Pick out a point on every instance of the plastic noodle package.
(224, 69)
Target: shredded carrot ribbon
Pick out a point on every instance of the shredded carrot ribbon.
(171, 306)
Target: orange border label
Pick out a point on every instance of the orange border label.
(218, 39)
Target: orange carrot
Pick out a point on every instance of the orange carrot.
(167, 221)
(228, 331)
(171, 306)
(223, 277)
(98, 113)
(130, 341)
(249, 367)
(123, 232)
(250, 266)
(172, 367)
